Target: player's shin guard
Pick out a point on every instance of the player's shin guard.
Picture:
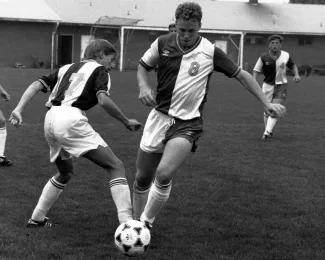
(121, 195)
(50, 194)
(158, 195)
(3, 137)
(140, 197)
(270, 124)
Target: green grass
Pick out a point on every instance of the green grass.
(236, 198)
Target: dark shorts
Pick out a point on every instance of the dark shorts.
(191, 130)
(280, 92)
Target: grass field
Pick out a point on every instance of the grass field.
(236, 198)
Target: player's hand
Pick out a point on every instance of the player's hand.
(5, 96)
(133, 125)
(147, 97)
(296, 79)
(275, 110)
(15, 118)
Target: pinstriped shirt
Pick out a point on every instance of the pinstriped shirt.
(183, 76)
(76, 85)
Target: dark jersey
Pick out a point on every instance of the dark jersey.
(76, 84)
(183, 76)
(274, 70)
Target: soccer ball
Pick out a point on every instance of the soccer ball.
(132, 238)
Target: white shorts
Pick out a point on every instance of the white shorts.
(69, 134)
(268, 91)
(155, 131)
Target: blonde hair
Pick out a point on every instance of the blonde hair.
(95, 47)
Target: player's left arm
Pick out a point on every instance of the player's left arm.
(252, 86)
(291, 65)
(16, 115)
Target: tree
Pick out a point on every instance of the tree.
(313, 2)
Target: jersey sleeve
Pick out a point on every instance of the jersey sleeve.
(150, 59)
(49, 81)
(259, 65)
(290, 63)
(102, 81)
(223, 64)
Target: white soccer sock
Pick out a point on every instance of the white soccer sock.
(50, 194)
(140, 197)
(122, 197)
(270, 124)
(3, 137)
(158, 196)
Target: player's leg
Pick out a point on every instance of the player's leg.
(3, 137)
(105, 158)
(51, 193)
(268, 91)
(146, 166)
(279, 97)
(176, 150)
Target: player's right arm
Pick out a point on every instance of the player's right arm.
(147, 63)
(16, 117)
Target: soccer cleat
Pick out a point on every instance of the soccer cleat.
(4, 161)
(35, 224)
(147, 224)
(267, 137)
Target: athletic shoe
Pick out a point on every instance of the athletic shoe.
(147, 224)
(35, 224)
(4, 161)
(267, 137)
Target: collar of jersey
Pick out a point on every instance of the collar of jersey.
(189, 50)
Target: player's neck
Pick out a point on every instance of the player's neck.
(275, 54)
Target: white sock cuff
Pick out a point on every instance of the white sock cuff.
(3, 129)
(118, 181)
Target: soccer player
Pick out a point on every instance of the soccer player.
(73, 89)
(186, 62)
(273, 64)
(3, 131)
(172, 28)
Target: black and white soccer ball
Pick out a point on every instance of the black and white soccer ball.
(132, 238)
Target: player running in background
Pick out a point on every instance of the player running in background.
(3, 131)
(273, 64)
(74, 89)
(172, 28)
(185, 61)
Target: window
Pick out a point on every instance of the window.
(255, 40)
(305, 40)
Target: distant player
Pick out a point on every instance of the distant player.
(175, 124)
(74, 89)
(172, 28)
(273, 64)
(3, 131)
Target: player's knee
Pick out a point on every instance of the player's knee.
(116, 165)
(163, 177)
(143, 181)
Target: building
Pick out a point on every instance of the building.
(51, 33)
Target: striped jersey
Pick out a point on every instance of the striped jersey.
(274, 70)
(76, 85)
(183, 76)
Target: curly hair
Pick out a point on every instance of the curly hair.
(189, 11)
(94, 48)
